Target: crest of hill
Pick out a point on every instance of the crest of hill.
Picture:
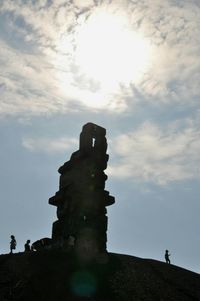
(56, 275)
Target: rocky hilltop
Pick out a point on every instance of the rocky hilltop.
(56, 275)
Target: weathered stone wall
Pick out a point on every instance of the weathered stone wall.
(82, 199)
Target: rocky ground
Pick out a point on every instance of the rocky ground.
(55, 275)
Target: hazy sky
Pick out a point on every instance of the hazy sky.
(132, 67)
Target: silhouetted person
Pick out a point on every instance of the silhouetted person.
(27, 247)
(167, 256)
(13, 244)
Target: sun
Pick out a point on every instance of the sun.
(108, 51)
(100, 57)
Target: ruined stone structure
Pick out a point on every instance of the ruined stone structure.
(82, 199)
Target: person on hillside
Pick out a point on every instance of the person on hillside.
(167, 256)
(27, 247)
(13, 244)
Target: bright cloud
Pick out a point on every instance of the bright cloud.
(48, 145)
(41, 73)
(161, 155)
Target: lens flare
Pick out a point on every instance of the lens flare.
(83, 284)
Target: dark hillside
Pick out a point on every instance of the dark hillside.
(55, 275)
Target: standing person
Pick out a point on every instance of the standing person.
(27, 246)
(13, 244)
(167, 256)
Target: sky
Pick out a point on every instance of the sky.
(132, 67)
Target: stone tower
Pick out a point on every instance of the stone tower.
(82, 199)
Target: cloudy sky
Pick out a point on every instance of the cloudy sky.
(132, 67)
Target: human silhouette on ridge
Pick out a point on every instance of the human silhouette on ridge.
(27, 247)
(167, 256)
(13, 244)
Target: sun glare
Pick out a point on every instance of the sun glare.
(109, 52)
(106, 55)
